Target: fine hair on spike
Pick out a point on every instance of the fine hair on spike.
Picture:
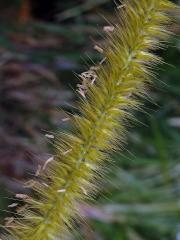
(109, 93)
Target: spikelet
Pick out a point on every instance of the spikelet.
(140, 28)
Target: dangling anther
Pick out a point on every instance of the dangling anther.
(95, 68)
(47, 162)
(121, 6)
(65, 119)
(61, 190)
(97, 48)
(22, 196)
(87, 78)
(108, 29)
(49, 136)
(66, 152)
(13, 205)
(102, 61)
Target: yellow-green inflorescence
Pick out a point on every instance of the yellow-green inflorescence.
(78, 163)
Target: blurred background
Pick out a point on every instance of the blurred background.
(42, 45)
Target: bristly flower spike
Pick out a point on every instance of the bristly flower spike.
(66, 181)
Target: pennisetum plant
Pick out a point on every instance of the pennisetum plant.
(71, 177)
